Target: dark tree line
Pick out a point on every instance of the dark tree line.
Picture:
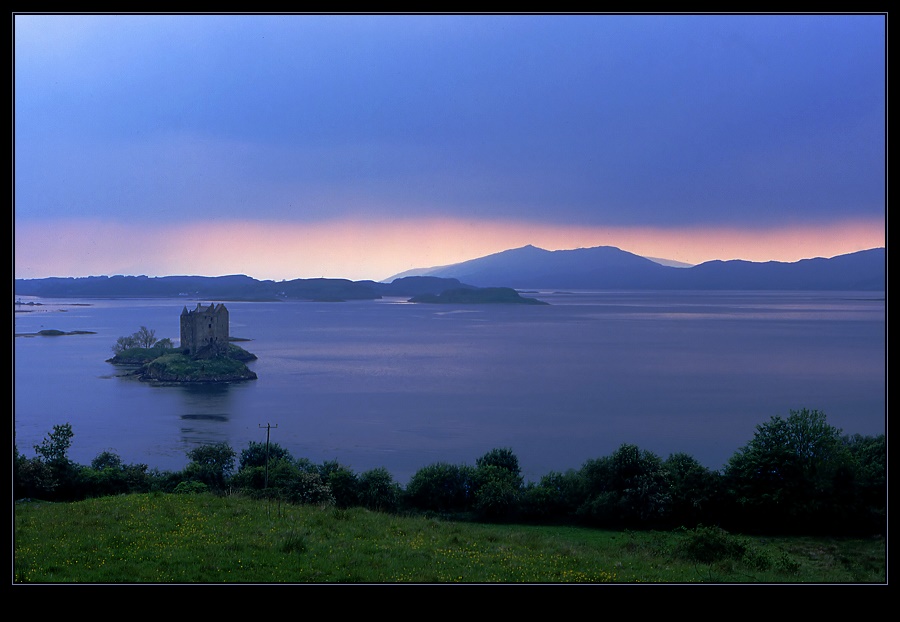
(797, 475)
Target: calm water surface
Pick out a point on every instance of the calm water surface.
(399, 385)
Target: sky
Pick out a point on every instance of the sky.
(363, 146)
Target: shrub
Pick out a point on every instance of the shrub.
(378, 491)
(789, 476)
(502, 457)
(497, 492)
(255, 454)
(343, 482)
(714, 545)
(190, 487)
(108, 475)
(555, 496)
(695, 490)
(211, 464)
(33, 479)
(277, 478)
(308, 489)
(627, 489)
(441, 487)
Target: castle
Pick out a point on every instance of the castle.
(204, 330)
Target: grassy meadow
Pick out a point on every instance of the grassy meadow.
(205, 538)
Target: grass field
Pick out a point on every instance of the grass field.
(203, 538)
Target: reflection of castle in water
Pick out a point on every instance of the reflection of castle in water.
(204, 330)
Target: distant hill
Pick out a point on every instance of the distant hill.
(529, 267)
(607, 267)
(236, 287)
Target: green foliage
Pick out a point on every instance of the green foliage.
(211, 464)
(255, 454)
(343, 482)
(497, 484)
(33, 479)
(57, 477)
(55, 447)
(123, 344)
(781, 481)
(788, 475)
(627, 489)
(441, 487)
(106, 460)
(502, 457)
(378, 490)
(497, 492)
(868, 456)
(714, 545)
(144, 338)
(174, 366)
(694, 489)
(309, 489)
(281, 474)
(555, 496)
(191, 487)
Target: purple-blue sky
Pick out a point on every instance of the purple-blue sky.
(361, 146)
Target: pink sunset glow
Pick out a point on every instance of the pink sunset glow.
(360, 249)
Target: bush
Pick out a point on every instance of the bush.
(190, 487)
(714, 545)
(502, 457)
(627, 489)
(343, 482)
(791, 475)
(497, 492)
(555, 496)
(308, 489)
(378, 491)
(108, 475)
(255, 454)
(33, 479)
(441, 487)
(695, 491)
(211, 464)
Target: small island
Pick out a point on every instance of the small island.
(481, 295)
(206, 353)
(52, 332)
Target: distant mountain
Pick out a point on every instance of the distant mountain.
(607, 267)
(529, 267)
(671, 262)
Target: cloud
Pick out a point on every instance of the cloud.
(584, 124)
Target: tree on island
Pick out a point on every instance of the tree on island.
(143, 338)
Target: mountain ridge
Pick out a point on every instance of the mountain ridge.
(524, 268)
(608, 267)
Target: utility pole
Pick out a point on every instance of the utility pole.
(268, 428)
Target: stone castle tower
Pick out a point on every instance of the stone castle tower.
(204, 330)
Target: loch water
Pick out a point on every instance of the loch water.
(398, 385)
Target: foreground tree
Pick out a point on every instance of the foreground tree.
(791, 476)
(694, 489)
(630, 488)
(211, 464)
(441, 487)
(378, 491)
(497, 484)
